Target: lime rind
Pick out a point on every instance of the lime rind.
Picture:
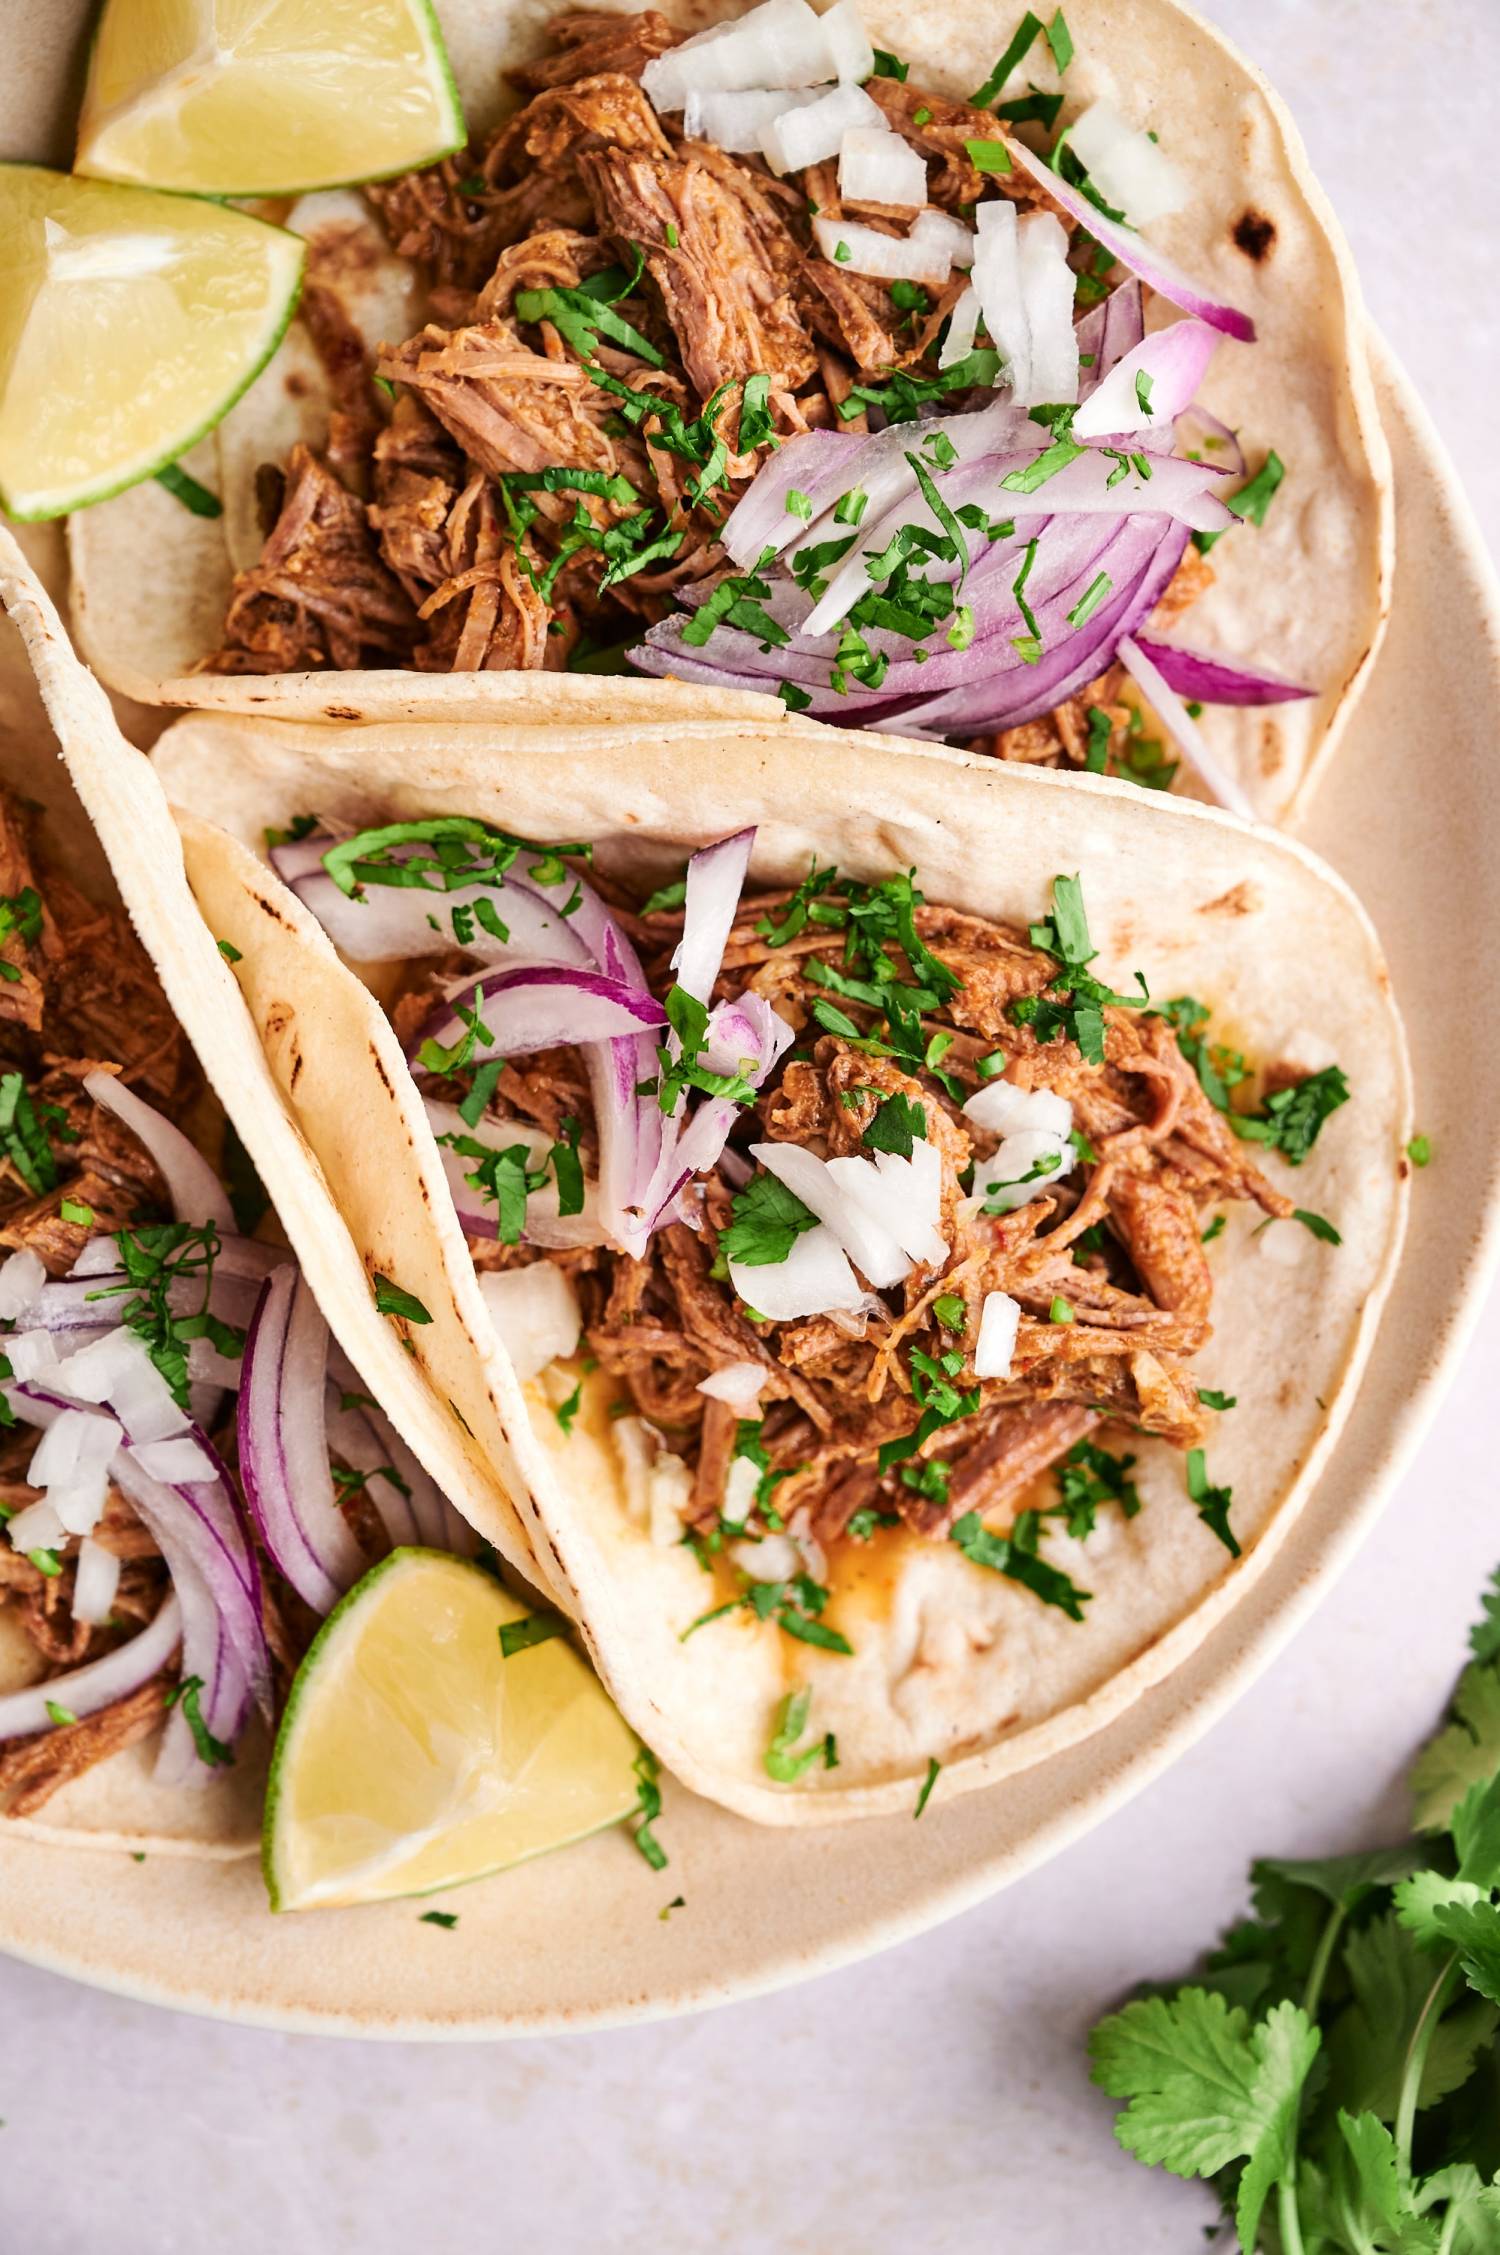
(279, 319)
(331, 1629)
(453, 121)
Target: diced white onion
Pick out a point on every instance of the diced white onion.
(21, 1279)
(735, 122)
(876, 166)
(30, 1353)
(95, 1583)
(535, 1310)
(811, 132)
(1001, 1108)
(740, 1484)
(781, 43)
(775, 1558)
(36, 1528)
(738, 1384)
(118, 1369)
(176, 1463)
(670, 1493)
(1126, 166)
(99, 1256)
(867, 1239)
(903, 1197)
(1048, 284)
(1019, 1170)
(963, 326)
(887, 258)
(996, 1344)
(814, 1279)
(945, 234)
(997, 278)
(72, 1462)
(848, 43)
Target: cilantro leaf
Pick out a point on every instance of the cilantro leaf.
(1207, 2088)
(1465, 1753)
(791, 1720)
(390, 1299)
(768, 1220)
(898, 1122)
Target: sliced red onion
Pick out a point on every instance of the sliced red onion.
(544, 1224)
(195, 1192)
(1170, 711)
(1128, 247)
(223, 1642)
(1203, 438)
(1182, 491)
(284, 1448)
(545, 1006)
(744, 1036)
(352, 1438)
(397, 923)
(98, 1683)
(439, 1525)
(715, 878)
(1210, 681)
(1173, 362)
(1107, 332)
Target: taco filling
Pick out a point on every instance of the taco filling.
(750, 361)
(190, 1473)
(866, 1212)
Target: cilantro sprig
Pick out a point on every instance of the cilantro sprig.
(1331, 2066)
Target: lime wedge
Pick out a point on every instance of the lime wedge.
(414, 1755)
(266, 97)
(129, 323)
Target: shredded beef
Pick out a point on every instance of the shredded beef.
(320, 595)
(33, 1769)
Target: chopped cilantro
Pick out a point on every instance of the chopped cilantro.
(888, 65)
(1291, 1119)
(1061, 1311)
(928, 1782)
(536, 1628)
(648, 1807)
(390, 1299)
(70, 1209)
(897, 1122)
(1027, 31)
(211, 1750)
(565, 1412)
(1318, 1225)
(1004, 1556)
(989, 156)
(1213, 1502)
(1216, 1228)
(1419, 1151)
(174, 479)
(228, 950)
(791, 1720)
(447, 1919)
(1082, 611)
(58, 1714)
(768, 1219)
(1211, 1398)
(950, 1311)
(1060, 40)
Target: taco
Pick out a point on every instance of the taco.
(930, 1217)
(812, 360)
(194, 1464)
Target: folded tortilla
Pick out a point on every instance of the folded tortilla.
(950, 1662)
(440, 1393)
(1304, 598)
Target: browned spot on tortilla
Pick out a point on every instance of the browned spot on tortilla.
(297, 386)
(385, 1078)
(278, 1018)
(1272, 750)
(297, 1063)
(1286, 1392)
(1254, 234)
(342, 712)
(1240, 900)
(269, 908)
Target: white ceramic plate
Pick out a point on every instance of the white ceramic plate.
(1411, 814)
